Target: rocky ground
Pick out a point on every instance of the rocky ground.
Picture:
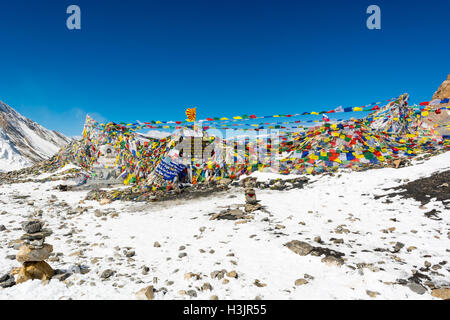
(377, 234)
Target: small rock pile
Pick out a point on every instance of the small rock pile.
(251, 204)
(33, 252)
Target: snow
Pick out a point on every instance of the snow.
(267, 176)
(23, 142)
(259, 252)
(10, 159)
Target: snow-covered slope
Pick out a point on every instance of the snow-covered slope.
(343, 210)
(23, 141)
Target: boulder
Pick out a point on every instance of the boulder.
(441, 293)
(145, 293)
(32, 226)
(27, 253)
(299, 247)
(40, 270)
(7, 281)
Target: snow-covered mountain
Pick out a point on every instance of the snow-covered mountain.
(24, 142)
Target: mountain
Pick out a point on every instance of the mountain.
(441, 120)
(444, 90)
(24, 142)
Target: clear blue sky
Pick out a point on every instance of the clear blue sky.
(147, 60)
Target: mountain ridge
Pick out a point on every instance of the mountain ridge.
(23, 141)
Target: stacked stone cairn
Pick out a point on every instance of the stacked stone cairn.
(251, 204)
(33, 252)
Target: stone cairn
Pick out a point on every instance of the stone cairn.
(251, 204)
(33, 252)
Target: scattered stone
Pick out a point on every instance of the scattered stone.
(107, 274)
(61, 276)
(214, 297)
(398, 246)
(416, 287)
(299, 247)
(191, 293)
(333, 261)
(232, 274)
(259, 284)
(146, 293)
(7, 281)
(190, 275)
(300, 282)
(441, 293)
(156, 244)
(130, 253)
(218, 274)
(372, 294)
(206, 286)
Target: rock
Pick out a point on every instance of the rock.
(299, 247)
(372, 294)
(317, 239)
(40, 270)
(398, 246)
(107, 274)
(218, 274)
(156, 244)
(98, 213)
(416, 287)
(206, 286)
(145, 293)
(232, 274)
(105, 201)
(191, 293)
(35, 236)
(61, 276)
(2, 227)
(32, 226)
(333, 261)
(7, 281)
(130, 254)
(444, 90)
(259, 284)
(252, 207)
(214, 297)
(182, 255)
(300, 282)
(28, 254)
(441, 293)
(77, 253)
(190, 275)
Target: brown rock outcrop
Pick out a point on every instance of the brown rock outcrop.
(34, 270)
